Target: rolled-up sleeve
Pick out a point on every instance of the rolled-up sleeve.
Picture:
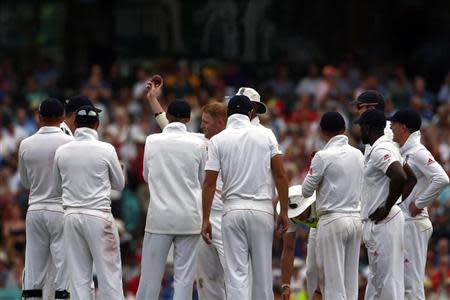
(213, 162)
(314, 177)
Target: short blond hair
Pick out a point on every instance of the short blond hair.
(216, 109)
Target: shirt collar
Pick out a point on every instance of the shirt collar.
(86, 134)
(413, 139)
(238, 121)
(49, 129)
(174, 127)
(338, 140)
(255, 121)
(380, 140)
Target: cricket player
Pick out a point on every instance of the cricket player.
(248, 157)
(173, 167)
(431, 179)
(87, 170)
(336, 174)
(383, 232)
(44, 220)
(210, 260)
(372, 99)
(300, 210)
(71, 106)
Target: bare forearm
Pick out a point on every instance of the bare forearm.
(282, 186)
(396, 187)
(155, 105)
(287, 257)
(207, 198)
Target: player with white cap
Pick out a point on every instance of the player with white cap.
(44, 220)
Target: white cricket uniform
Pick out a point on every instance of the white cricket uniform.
(431, 179)
(88, 169)
(173, 167)
(44, 221)
(336, 174)
(210, 259)
(384, 241)
(243, 153)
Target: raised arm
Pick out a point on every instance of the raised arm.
(154, 88)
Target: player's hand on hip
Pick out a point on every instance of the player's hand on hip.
(207, 232)
(282, 224)
(379, 214)
(414, 210)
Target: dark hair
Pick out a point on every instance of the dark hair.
(332, 122)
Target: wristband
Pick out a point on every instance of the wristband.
(158, 113)
(285, 286)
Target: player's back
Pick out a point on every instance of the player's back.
(36, 155)
(245, 154)
(88, 171)
(173, 167)
(340, 190)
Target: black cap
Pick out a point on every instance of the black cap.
(332, 122)
(239, 104)
(86, 115)
(374, 118)
(370, 97)
(51, 108)
(408, 117)
(179, 109)
(74, 103)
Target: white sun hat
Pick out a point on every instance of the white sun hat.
(297, 203)
(254, 96)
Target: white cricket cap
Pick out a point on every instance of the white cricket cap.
(297, 203)
(254, 96)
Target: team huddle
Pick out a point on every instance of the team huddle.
(212, 198)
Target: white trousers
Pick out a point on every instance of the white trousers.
(385, 248)
(93, 238)
(154, 255)
(210, 262)
(417, 235)
(338, 245)
(312, 270)
(44, 252)
(247, 239)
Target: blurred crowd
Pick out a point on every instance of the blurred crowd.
(296, 100)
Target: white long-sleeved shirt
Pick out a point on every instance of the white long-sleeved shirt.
(173, 167)
(87, 170)
(376, 183)
(217, 204)
(36, 155)
(336, 173)
(243, 153)
(431, 177)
